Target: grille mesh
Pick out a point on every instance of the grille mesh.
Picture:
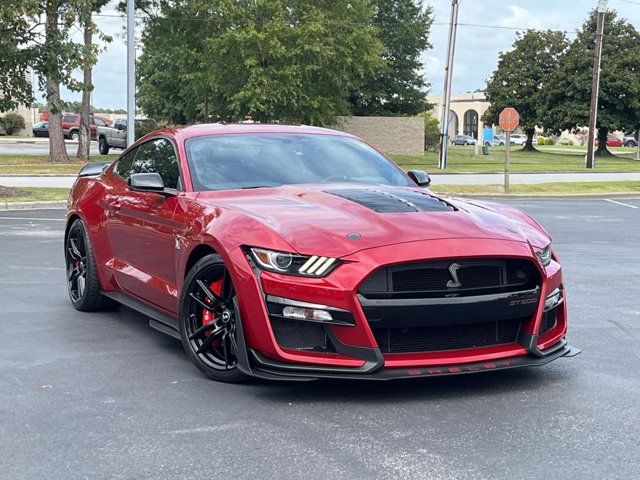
(450, 337)
(434, 279)
(301, 335)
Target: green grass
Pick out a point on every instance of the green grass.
(39, 164)
(561, 188)
(462, 160)
(32, 194)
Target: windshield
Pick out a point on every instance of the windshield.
(226, 162)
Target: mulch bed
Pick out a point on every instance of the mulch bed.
(11, 192)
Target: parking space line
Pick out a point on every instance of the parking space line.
(34, 218)
(620, 203)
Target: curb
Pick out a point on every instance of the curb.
(33, 205)
(559, 196)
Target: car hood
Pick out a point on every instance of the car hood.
(340, 219)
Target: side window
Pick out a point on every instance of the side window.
(98, 122)
(125, 164)
(70, 118)
(158, 156)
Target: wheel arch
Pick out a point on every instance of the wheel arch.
(200, 251)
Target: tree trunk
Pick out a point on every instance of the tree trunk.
(57, 148)
(84, 143)
(528, 146)
(603, 151)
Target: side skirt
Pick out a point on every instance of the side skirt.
(158, 320)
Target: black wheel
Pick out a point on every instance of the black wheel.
(466, 143)
(74, 135)
(630, 144)
(487, 144)
(208, 320)
(103, 146)
(82, 277)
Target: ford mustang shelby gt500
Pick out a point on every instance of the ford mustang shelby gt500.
(286, 252)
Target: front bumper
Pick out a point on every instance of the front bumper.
(357, 353)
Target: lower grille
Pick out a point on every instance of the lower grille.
(301, 335)
(447, 337)
(549, 320)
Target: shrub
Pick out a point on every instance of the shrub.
(12, 122)
(431, 134)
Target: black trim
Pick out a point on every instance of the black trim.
(269, 369)
(94, 169)
(159, 320)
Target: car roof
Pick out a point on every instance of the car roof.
(241, 128)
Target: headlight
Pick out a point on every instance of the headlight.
(293, 264)
(544, 255)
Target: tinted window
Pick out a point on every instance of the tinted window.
(125, 163)
(158, 156)
(99, 122)
(224, 162)
(70, 118)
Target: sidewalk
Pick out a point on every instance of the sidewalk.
(437, 179)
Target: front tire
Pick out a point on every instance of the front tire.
(83, 284)
(630, 144)
(74, 135)
(208, 320)
(103, 146)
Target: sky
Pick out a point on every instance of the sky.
(477, 48)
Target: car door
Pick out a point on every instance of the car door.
(120, 133)
(141, 229)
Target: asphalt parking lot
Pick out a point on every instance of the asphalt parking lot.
(105, 396)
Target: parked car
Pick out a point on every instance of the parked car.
(71, 125)
(630, 141)
(612, 142)
(295, 252)
(41, 129)
(463, 140)
(116, 136)
(499, 140)
(518, 139)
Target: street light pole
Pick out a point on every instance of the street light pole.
(131, 72)
(448, 75)
(595, 87)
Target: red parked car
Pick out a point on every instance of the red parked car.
(71, 125)
(285, 252)
(612, 142)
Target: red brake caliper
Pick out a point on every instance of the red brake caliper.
(207, 316)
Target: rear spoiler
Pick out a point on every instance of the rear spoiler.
(93, 169)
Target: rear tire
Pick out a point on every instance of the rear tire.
(208, 334)
(82, 275)
(103, 146)
(74, 135)
(630, 144)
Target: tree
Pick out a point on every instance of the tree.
(398, 87)
(568, 91)
(290, 61)
(89, 58)
(44, 46)
(521, 78)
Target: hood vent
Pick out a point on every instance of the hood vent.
(393, 200)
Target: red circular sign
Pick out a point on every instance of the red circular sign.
(509, 119)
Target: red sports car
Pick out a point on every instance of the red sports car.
(285, 252)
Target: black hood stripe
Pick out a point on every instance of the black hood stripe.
(393, 200)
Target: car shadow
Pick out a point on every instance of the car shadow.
(525, 380)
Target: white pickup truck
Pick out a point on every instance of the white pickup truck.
(116, 136)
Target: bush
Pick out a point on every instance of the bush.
(431, 134)
(545, 141)
(11, 123)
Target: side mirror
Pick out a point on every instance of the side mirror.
(421, 177)
(146, 182)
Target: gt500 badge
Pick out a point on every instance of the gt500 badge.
(525, 301)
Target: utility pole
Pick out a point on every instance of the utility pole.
(595, 87)
(448, 75)
(131, 73)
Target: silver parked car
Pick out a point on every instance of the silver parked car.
(463, 140)
(630, 141)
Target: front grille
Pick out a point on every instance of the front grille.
(438, 278)
(447, 337)
(301, 335)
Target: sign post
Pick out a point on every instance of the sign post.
(509, 121)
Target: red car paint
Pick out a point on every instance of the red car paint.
(143, 241)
